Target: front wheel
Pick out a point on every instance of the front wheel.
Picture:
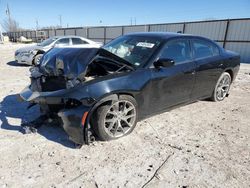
(117, 119)
(222, 87)
(37, 59)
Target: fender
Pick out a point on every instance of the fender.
(39, 52)
(87, 127)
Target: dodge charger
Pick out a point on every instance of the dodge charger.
(104, 92)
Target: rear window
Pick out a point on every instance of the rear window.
(204, 49)
(76, 41)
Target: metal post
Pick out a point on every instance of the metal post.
(122, 30)
(225, 36)
(105, 37)
(184, 28)
(149, 28)
(48, 34)
(36, 36)
(87, 32)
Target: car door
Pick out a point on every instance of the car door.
(173, 85)
(208, 60)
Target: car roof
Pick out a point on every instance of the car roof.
(161, 35)
(67, 36)
(168, 35)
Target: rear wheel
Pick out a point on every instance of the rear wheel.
(117, 119)
(222, 87)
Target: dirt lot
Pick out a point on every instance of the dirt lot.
(204, 144)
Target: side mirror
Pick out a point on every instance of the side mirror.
(163, 63)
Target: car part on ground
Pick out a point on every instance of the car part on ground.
(31, 127)
(32, 54)
(105, 91)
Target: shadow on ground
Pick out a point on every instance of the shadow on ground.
(10, 107)
(15, 64)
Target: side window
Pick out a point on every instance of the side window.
(64, 41)
(178, 50)
(76, 41)
(203, 49)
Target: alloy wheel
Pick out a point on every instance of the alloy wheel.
(120, 118)
(223, 87)
(37, 59)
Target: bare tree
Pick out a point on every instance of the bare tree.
(51, 27)
(10, 25)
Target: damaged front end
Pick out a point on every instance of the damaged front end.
(61, 86)
(62, 104)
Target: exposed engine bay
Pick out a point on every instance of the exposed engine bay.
(60, 70)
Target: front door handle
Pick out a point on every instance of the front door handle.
(190, 72)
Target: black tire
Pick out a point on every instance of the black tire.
(99, 124)
(37, 58)
(215, 97)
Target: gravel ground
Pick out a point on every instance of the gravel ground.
(204, 144)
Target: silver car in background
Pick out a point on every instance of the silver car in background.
(32, 54)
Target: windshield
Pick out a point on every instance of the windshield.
(134, 49)
(47, 42)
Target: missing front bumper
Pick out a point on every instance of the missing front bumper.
(71, 117)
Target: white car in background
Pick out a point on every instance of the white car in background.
(32, 54)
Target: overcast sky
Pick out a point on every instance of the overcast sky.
(115, 12)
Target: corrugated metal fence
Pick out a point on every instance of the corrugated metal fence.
(232, 34)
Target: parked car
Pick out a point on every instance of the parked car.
(106, 91)
(32, 54)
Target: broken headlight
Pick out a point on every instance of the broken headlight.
(72, 83)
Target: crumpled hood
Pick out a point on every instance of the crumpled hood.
(68, 62)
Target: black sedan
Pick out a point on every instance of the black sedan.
(104, 92)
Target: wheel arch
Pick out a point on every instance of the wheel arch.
(107, 99)
(40, 52)
(230, 71)
(37, 53)
(110, 97)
